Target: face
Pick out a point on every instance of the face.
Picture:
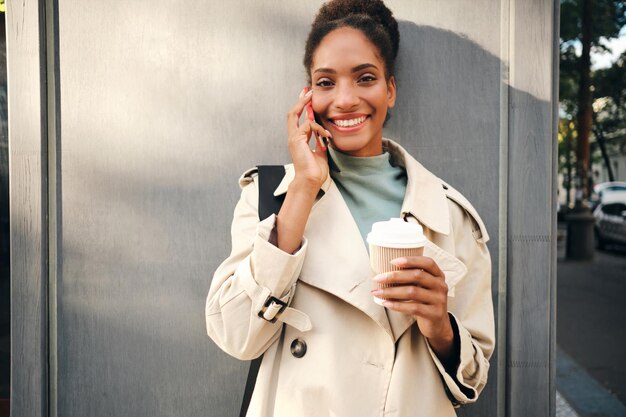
(351, 94)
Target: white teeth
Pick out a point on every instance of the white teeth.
(349, 122)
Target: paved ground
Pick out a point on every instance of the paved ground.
(563, 408)
(591, 312)
(582, 392)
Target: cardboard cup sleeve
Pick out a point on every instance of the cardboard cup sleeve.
(380, 260)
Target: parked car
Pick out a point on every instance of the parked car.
(604, 188)
(610, 217)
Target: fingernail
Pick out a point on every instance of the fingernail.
(377, 291)
(380, 277)
(308, 93)
(302, 92)
(328, 134)
(398, 261)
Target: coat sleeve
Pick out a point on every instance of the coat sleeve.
(471, 312)
(254, 271)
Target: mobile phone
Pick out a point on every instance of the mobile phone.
(310, 114)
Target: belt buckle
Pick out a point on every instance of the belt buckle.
(268, 302)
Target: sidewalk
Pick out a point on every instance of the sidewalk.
(591, 337)
(563, 409)
(580, 394)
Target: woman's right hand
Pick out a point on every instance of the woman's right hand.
(311, 166)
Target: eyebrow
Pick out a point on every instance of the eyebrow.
(355, 69)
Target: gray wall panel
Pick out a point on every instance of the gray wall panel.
(531, 208)
(27, 187)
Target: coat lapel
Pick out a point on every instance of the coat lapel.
(337, 260)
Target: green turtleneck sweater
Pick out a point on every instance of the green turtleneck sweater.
(371, 186)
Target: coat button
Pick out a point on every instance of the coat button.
(298, 348)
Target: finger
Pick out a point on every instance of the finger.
(410, 308)
(293, 116)
(320, 144)
(420, 262)
(408, 293)
(323, 139)
(307, 128)
(320, 132)
(320, 147)
(405, 276)
(416, 277)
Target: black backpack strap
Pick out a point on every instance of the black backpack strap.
(269, 178)
(250, 383)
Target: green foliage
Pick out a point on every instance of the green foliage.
(610, 98)
(569, 79)
(608, 85)
(609, 16)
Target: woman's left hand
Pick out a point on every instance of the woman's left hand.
(421, 291)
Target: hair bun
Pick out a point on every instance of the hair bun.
(374, 9)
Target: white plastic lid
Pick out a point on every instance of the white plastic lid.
(396, 233)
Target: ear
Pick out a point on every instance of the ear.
(391, 92)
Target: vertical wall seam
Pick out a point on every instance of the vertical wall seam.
(51, 124)
(553, 265)
(45, 217)
(505, 27)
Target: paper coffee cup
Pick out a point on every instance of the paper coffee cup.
(393, 239)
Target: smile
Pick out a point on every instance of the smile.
(349, 122)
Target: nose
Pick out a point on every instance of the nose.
(346, 97)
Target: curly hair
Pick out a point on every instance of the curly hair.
(371, 17)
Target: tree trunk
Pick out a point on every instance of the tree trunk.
(584, 102)
(568, 164)
(605, 156)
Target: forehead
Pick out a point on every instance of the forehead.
(345, 47)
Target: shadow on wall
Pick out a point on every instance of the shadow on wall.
(138, 253)
(448, 112)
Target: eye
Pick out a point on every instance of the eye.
(367, 78)
(324, 82)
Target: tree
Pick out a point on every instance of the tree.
(585, 24)
(610, 102)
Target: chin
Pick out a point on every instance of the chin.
(347, 145)
(350, 145)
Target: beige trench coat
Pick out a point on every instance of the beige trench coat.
(361, 360)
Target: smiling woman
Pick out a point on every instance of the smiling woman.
(296, 289)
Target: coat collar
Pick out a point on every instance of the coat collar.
(425, 198)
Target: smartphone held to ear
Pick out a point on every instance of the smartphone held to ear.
(323, 141)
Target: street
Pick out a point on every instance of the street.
(591, 312)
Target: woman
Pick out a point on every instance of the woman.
(297, 286)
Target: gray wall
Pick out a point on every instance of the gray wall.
(129, 124)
